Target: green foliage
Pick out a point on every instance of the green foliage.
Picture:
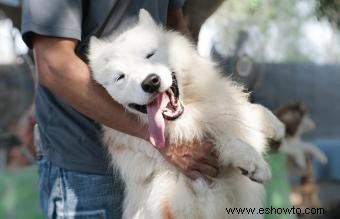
(19, 196)
(276, 23)
(329, 9)
(278, 31)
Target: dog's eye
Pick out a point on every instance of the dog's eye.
(150, 54)
(119, 77)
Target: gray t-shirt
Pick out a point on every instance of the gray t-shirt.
(70, 139)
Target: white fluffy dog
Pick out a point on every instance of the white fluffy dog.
(180, 96)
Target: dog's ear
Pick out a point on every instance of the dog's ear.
(145, 17)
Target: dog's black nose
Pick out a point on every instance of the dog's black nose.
(151, 83)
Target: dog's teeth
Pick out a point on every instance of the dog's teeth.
(167, 111)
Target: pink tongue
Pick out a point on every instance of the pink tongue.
(156, 120)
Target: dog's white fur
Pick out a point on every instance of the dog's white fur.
(214, 107)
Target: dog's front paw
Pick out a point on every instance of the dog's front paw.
(279, 130)
(243, 156)
(271, 126)
(256, 169)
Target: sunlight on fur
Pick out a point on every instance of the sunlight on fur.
(201, 104)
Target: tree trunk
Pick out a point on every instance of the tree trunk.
(13, 13)
(197, 11)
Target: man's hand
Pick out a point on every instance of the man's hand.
(195, 160)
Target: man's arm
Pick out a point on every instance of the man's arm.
(67, 76)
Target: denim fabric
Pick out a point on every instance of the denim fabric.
(68, 194)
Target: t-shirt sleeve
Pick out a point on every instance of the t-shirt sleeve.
(175, 4)
(57, 18)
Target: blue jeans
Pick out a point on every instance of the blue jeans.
(66, 194)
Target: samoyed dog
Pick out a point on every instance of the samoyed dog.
(181, 97)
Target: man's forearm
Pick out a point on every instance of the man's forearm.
(69, 78)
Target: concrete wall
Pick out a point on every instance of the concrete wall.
(316, 85)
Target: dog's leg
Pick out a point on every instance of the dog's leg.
(308, 148)
(295, 153)
(243, 156)
(170, 196)
(270, 125)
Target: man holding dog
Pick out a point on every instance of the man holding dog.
(75, 178)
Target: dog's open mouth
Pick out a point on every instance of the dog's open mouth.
(173, 109)
(164, 106)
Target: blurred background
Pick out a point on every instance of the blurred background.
(286, 53)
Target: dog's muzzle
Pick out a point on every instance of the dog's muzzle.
(174, 109)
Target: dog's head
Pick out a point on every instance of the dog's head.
(134, 70)
(296, 119)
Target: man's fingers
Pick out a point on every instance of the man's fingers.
(214, 154)
(208, 147)
(193, 174)
(194, 162)
(207, 170)
(206, 158)
(194, 169)
(212, 161)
